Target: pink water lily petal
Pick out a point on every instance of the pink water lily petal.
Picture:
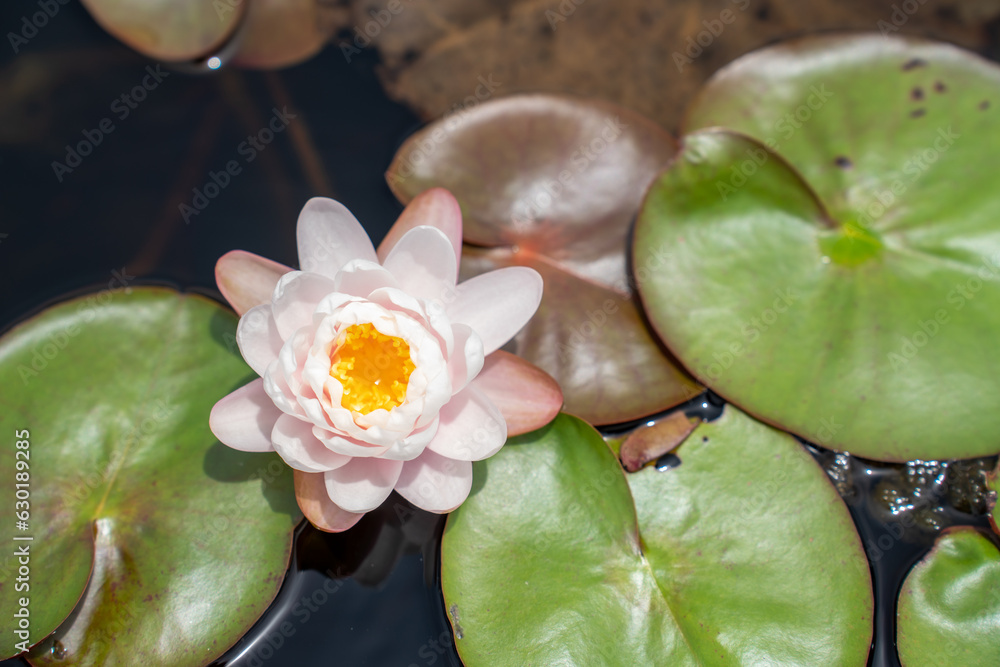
(245, 418)
(294, 441)
(467, 357)
(497, 304)
(363, 484)
(526, 395)
(435, 207)
(435, 483)
(361, 278)
(295, 299)
(316, 506)
(246, 279)
(347, 446)
(283, 378)
(424, 262)
(258, 338)
(471, 427)
(410, 447)
(329, 236)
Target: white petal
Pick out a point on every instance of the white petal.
(435, 483)
(277, 389)
(471, 427)
(363, 484)
(334, 301)
(361, 278)
(436, 207)
(283, 378)
(467, 358)
(329, 237)
(497, 304)
(245, 418)
(433, 319)
(413, 445)
(295, 299)
(423, 261)
(348, 446)
(294, 441)
(258, 338)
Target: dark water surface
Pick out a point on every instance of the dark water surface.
(370, 597)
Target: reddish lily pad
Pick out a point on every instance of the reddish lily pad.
(554, 183)
(280, 33)
(159, 544)
(559, 558)
(949, 607)
(852, 278)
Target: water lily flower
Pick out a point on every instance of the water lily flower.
(377, 370)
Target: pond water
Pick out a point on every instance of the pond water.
(370, 597)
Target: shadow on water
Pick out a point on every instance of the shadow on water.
(367, 597)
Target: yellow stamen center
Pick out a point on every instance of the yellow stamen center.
(373, 368)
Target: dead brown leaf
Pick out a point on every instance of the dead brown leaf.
(647, 56)
(648, 443)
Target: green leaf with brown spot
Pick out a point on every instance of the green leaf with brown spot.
(836, 249)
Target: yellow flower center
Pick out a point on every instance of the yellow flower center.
(373, 368)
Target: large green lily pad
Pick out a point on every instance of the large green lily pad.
(744, 554)
(554, 183)
(949, 607)
(184, 542)
(843, 286)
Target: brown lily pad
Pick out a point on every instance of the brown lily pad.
(554, 183)
(280, 33)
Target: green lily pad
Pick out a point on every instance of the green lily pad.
(949, 607)
(842, 286)
(554, 183)
(744, 554)
(184, 542)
